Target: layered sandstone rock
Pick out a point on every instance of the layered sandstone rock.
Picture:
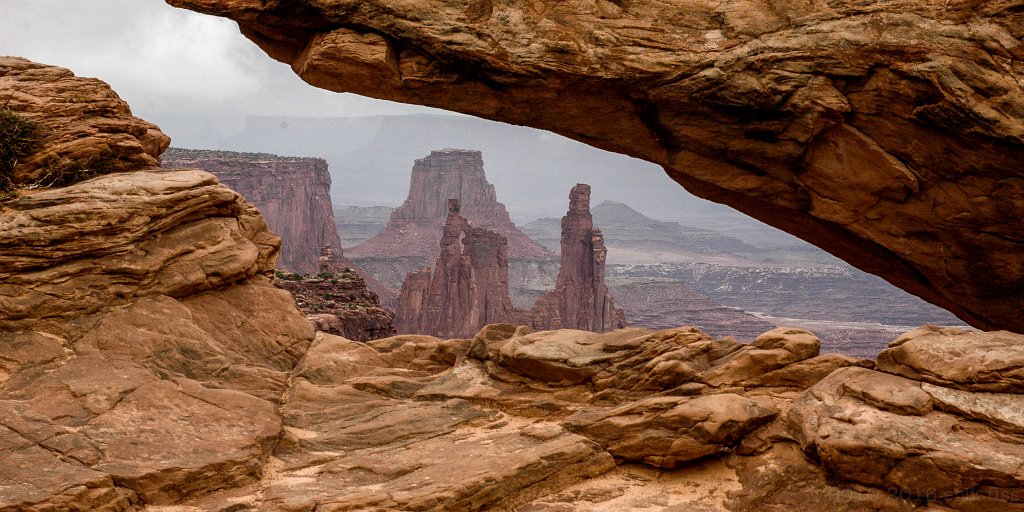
(85, 124)
(76, 250)
(468, 287)
(293, 194)
(144, 347)
(889, 134)
(580, 299)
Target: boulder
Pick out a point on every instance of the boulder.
(667, 432)
(911, 439)
(972, 361)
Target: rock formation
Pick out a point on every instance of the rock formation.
(85, 124)
(890, 135)
(468, 287)
(410, 240)
(144, 349)
(413, 227)
(337, 300)
(293, 194)
(148, 362)
(580, 299)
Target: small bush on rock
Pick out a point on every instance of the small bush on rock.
(19, 137)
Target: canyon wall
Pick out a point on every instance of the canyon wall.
(889, 134)
(293, 194)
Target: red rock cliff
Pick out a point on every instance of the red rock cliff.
(414, 227)
(580, 299)
(293, 194)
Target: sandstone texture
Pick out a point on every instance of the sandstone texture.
(293, 194)
(85, 124)
(580, 299)
(76, 250)
(889, 134)
(144, 351)
(467, 288)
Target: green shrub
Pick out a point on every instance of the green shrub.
(19, 137)
(286, 276)
(325, 275)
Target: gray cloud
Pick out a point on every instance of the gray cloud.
(163, 59)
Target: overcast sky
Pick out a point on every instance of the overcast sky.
(163, 59)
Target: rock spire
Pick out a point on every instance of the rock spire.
(580, 299)
(468, 287)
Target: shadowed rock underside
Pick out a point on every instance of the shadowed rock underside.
(889, 133)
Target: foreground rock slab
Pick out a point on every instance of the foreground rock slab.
(144, 348)
(914, 439)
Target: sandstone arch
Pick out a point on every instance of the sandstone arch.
(889, 133)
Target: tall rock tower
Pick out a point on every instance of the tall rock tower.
(580, 299)
(467, 289)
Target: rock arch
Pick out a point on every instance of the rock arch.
(889, 134)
